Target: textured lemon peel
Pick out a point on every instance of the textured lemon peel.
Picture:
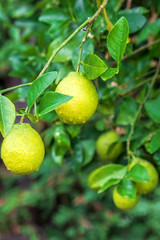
(84, 102)
(23, 149)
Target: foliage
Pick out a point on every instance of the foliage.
(124, 66)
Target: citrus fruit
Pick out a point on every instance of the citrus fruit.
(108, 148)
(22, 149)
(146, 187)
(84, 102)
(124, 202)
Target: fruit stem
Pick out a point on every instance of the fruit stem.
(81, 46)
(85, 23)
(22, 118)
(129, 152)
(15, 87)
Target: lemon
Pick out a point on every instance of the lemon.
(124, 202)
(146, 187)
(84, 102)
(23, 149)
(107, 146)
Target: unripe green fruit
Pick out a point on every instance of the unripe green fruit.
(124, 202)
(108, 148)
(146, 187)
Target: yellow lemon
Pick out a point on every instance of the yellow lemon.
(146, 187)
(108, 148)
(22, 149)
(84, 102)
(124, 202)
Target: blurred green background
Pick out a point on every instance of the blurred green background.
(55, 203)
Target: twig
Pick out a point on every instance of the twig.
(141, 49)
(15, 87)
(88, 21)
(81, 47)
(139, 85)
(22, 118)
(138, 50)
(129, 3)
(129, 152)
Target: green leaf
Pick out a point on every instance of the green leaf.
(152, 108)
(127, 111)
(117, 39)
(88, 48)
(89, 150)
(149, 29)
(127, 189)
(108, 184)
(109, 73)
(154, 144)
(49, 117)
(73, 130)
(7, 115)
(58, 154)
(76, 160)
(50, 101)
(61, 137)
(140, 10)
(54, 14)
(138, 173)
(94, 66)
(135, 20)
(102, 175)
(38, 86)
(66, 53)
(32, 118)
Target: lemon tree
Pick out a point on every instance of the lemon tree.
(89, 88)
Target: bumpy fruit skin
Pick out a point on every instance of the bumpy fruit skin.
(23, 149)
(124, 202)
(103, 144)
(84, 102)
(146, 187)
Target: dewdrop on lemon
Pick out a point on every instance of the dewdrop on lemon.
(22, 149)
(84, 102)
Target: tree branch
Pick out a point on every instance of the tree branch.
(129, 152)
(88, 21)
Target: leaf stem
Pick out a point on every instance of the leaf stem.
(15, 87)
(22, 118)
(87, 22)
(129, 152)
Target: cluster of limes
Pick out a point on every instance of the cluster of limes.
(108, 149)
(23, 150)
